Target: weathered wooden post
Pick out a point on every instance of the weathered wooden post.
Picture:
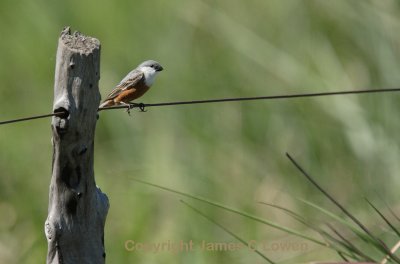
(77, 208)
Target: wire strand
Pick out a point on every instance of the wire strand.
(31, 118)
(238, 99)
(270, 97)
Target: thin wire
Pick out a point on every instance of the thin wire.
(31, 117)
(271, 97)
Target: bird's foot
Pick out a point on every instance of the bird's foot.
(128, 109)
(141, 106)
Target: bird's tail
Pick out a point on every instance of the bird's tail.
(106, 103)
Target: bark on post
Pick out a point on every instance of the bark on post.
(77, 208)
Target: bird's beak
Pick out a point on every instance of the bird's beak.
(159, 68)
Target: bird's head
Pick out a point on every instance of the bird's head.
(151, 64)
(150, 68)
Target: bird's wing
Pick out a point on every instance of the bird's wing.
(128, 82)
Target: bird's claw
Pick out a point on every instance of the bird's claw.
(128, 109)
(141, 106)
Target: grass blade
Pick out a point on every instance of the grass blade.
(227, 230)
(353, 248)
(346, 244)
(384, 218)
(249, 216)
(393, 250)
(377, 242)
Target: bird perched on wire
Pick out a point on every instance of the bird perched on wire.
(134, 85)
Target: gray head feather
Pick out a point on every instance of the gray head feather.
(151, 63)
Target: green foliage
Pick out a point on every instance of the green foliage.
(232, 153)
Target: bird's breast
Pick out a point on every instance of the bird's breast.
(132, 93)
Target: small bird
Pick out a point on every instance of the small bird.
(134, 85)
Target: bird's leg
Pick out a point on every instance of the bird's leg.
(128, 110)
(141, 106)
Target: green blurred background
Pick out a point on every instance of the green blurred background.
(232, 153)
